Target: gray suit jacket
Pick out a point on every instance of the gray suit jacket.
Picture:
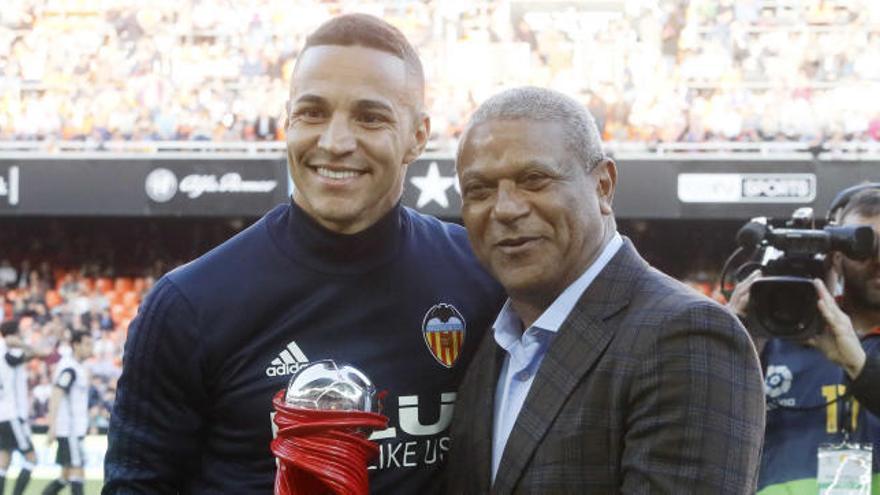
(648, 387)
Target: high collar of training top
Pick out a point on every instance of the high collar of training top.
(310, 243)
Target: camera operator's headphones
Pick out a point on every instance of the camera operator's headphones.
(842, 199)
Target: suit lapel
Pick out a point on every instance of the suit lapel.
(487, 361)
(580, 342)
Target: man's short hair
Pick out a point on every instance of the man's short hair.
(370, 32)
(77, 336)
(9, 327)
(544, 105)
(863, 203)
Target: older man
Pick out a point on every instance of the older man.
(603, 375)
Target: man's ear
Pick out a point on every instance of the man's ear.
(421, 132)
(606, 181)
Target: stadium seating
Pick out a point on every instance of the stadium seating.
(665, 71)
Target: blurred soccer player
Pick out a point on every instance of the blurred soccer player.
(15, 431)
(69, 414)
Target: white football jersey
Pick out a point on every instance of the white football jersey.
(15, 360)
(7, 387)
(72, 418)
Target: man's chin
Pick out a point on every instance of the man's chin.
(524, 284)
(873, 302)
(335, 216)
(869, 301)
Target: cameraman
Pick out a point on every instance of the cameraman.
(827, 388)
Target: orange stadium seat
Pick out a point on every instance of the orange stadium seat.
(113, 297)
(123, 284)
(59, 281)
(118, 312)
(104, 284)
(130, 299)
(705, 288)
(52, 299)
(139, 284)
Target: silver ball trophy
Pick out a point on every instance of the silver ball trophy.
(331, 386)
(324, 417)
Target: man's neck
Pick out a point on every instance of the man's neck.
(864, 320)
(531, 305)
(528, 311)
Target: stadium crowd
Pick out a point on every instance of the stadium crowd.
(49, 305)
(651, 70)
(59, 276)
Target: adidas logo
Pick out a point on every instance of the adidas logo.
(288, 362)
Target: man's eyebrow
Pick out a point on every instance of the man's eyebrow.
(359, 105)
(470, 175)
(310, 98)
(367, 104)
(538, 164)
(374, 105)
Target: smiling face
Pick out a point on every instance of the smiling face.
(534, 214)
(352, 130)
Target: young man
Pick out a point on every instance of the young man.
(342, 272)
(603, 375)
(69, 414)
(15, 432)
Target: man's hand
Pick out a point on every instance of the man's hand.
(739, 299)
(839, 341)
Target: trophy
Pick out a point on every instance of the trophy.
(324, 418)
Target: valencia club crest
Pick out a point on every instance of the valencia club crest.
(444, 331)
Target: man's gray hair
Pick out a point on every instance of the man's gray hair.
(544, 105)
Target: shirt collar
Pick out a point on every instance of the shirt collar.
(508, 326)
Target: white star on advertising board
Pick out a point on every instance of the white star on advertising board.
(432, 187)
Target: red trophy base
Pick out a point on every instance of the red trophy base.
(321, 452)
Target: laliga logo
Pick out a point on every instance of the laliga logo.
(778, 381)
(161, 185)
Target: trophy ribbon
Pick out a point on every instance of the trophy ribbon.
(323, 451)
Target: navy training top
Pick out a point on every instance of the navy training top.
(405, 301)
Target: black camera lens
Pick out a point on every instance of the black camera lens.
(784, 307)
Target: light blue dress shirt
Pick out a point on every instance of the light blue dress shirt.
(526, 350)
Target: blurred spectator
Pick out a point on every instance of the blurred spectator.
(654, 70)
(8, 275)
